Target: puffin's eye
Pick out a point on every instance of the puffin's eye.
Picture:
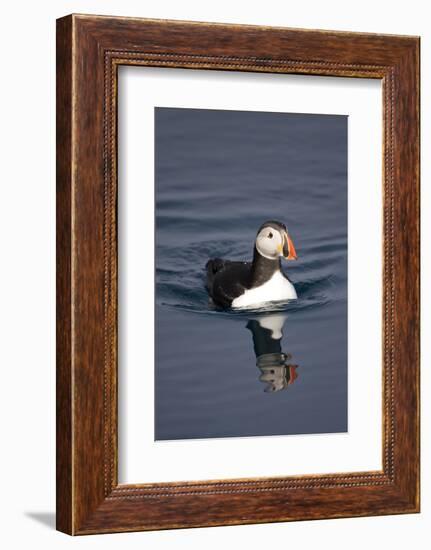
(270, 235)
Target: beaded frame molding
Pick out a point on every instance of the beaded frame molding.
(89, 51)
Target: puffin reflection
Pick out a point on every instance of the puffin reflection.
(276, 371)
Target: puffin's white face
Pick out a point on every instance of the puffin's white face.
(269, 243)
(272, 243)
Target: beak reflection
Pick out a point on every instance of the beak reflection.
(276, 370)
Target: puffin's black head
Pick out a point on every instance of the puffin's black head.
(273, 241)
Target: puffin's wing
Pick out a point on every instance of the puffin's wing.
(227, 280)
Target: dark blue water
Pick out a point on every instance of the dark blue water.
(281, 369)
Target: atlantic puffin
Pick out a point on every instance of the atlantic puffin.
(247, 284)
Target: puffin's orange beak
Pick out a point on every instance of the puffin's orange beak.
(289, 251)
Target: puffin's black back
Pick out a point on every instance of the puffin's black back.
(227, 280)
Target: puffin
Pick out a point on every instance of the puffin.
(233, 284)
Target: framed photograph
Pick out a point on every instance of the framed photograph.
(237, 274)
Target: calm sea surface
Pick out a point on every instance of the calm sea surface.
(219, 176)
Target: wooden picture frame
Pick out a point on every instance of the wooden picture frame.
(89, 51)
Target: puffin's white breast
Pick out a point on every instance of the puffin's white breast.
(276, 289)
